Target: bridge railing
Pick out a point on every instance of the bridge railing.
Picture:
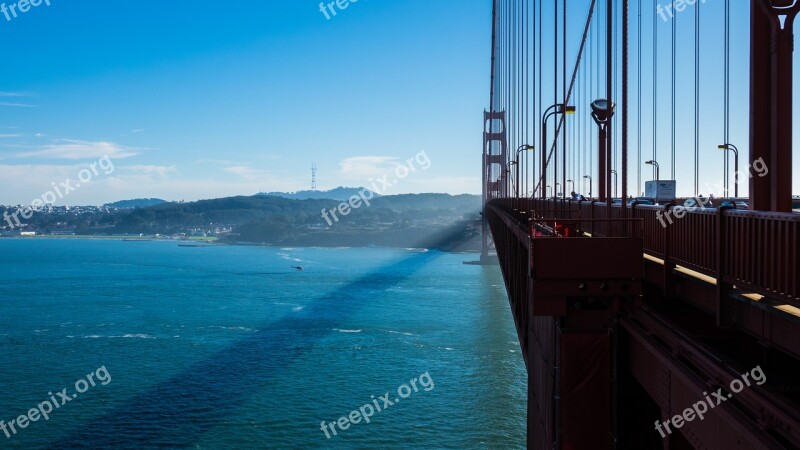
(755, 251)
(761, 252)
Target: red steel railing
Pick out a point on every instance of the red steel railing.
(755, 251)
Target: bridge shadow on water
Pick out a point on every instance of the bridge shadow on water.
(180, 410)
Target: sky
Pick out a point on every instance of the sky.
(656, 129)
(189, 100)
(193, 100)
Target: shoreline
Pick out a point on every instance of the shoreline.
(225, 243)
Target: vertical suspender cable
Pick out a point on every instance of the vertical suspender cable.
(728, 96)
(592, 92)
(615, 153)
(697, 99)
(609, 95)
(564, 94)
(555, 84)
(541, 84)
(639, 104)
(624, 168)
(674, 87)
(655, 90)
(524, 187)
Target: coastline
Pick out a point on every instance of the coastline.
(218, 243)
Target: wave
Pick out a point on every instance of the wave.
(347, 331)
(232, 328)
(401, 332)
(133, 336)
(124, 336)
(298, 308)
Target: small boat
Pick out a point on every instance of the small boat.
(297, 267)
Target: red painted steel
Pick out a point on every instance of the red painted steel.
(712, 242)
(760, 249)
(585, 390)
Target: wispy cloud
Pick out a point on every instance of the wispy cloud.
(223, 162)
(363, 167)
(74, 149)
(153, 170)
(18, 105)
(138, 130)
(247, 173)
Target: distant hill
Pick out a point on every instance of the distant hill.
(136, 203)
(340, 193)
(412, 220)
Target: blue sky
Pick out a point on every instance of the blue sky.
(206, 99)
(202, 99)
(711, 122)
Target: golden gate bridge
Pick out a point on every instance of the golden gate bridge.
(640, 332)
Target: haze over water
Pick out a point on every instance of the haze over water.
(229, 347)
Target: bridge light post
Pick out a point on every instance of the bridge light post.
(735, 169)
(558, 108)
(653, 162)
(589, 177)
(602, 112)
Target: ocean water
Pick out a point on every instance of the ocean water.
(229, 347)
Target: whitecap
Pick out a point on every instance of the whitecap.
(232, 328)
(298, 309)
(134, 336)
(401, 332)
(346, 331)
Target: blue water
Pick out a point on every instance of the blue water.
(229, 347)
